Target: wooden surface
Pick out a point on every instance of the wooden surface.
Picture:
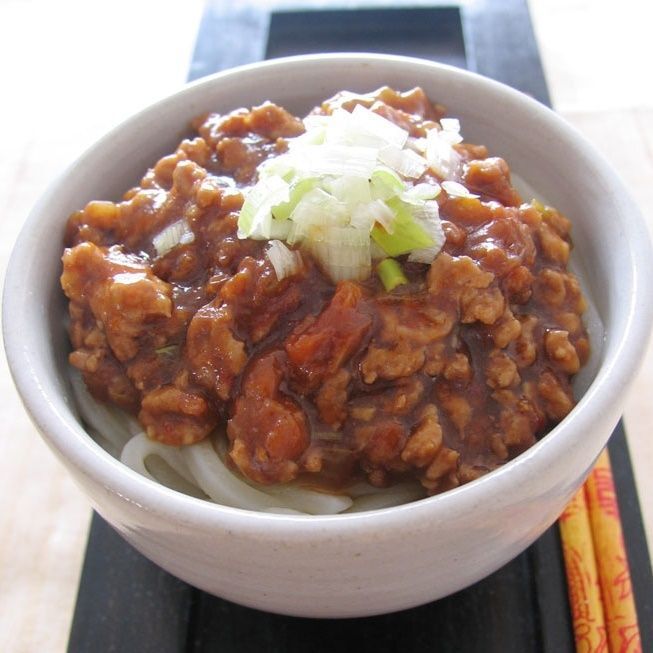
(71, 70)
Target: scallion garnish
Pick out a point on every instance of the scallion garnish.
(349, 186)
(391, 274)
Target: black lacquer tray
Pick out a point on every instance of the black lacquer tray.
(126, 603)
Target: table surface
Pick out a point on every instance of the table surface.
(67, 85)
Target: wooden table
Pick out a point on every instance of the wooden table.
(73, 70)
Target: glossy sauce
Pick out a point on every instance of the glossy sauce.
(443, 379)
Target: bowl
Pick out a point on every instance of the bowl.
(384, 560)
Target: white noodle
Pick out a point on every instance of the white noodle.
(166, 475)
(211, 474)
(387, 497)
(110, 425)
(284, 511)
(309, 501)
(197, 469)
(288, 496)
(140, 447)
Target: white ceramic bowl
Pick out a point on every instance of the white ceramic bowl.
(385, 560)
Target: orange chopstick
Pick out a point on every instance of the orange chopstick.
(612, 561)
(582, 577)
(598, 575)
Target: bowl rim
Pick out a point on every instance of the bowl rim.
(71, 441)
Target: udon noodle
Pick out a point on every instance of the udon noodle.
(199, 470)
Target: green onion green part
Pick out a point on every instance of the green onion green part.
(406, 236)
(391, 274)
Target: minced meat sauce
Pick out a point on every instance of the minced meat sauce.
(443, 379)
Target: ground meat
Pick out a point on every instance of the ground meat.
(269, 431)
(425, 441)
(556, 398)
(441, 474)
(458, 368)
(560, 351)
(215, 355)
(122, 294)
(525, 345)
(106, 380)
(176, 417)
(491, 177)
(501, 370)
(505, 330)
(331, 399)
(443, 379)
(456, 275)
(258, 299)
(391, 363)
(319, 346)
(380, 444)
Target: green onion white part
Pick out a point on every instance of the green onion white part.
(178, 233)
(285, 262)
(454, 189)
(348, 187)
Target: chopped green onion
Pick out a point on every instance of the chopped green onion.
(178, 233)
(318, 160)
(373, 125)
(455, 189)
(350, 190)
(344, 191)
(391, 274)
(427, 211)
(297, 191)
(405, 162)
(168, 350)
(365, 216)
(278, 166)
(363, 127)
(385, 183)
(343, 252)
(280, 230)
(440, 154)
(317, 211)
(407, 233)
(284, 261)
(450, 124)
(428, 217)
(376, 252)
(419, 193)
(451, 130)
(417, 144)
(255, 216)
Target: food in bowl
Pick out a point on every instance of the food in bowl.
(361, 300)
(344, 565)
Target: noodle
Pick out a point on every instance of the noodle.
(388, 497)
(200, 471)
(112, 428)
(223, 486)
(140, 447)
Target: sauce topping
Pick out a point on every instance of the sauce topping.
(457, 369)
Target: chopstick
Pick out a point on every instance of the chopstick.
(614, 572)
(598, 575)
(582, 576)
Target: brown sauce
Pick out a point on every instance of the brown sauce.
(443, 379)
